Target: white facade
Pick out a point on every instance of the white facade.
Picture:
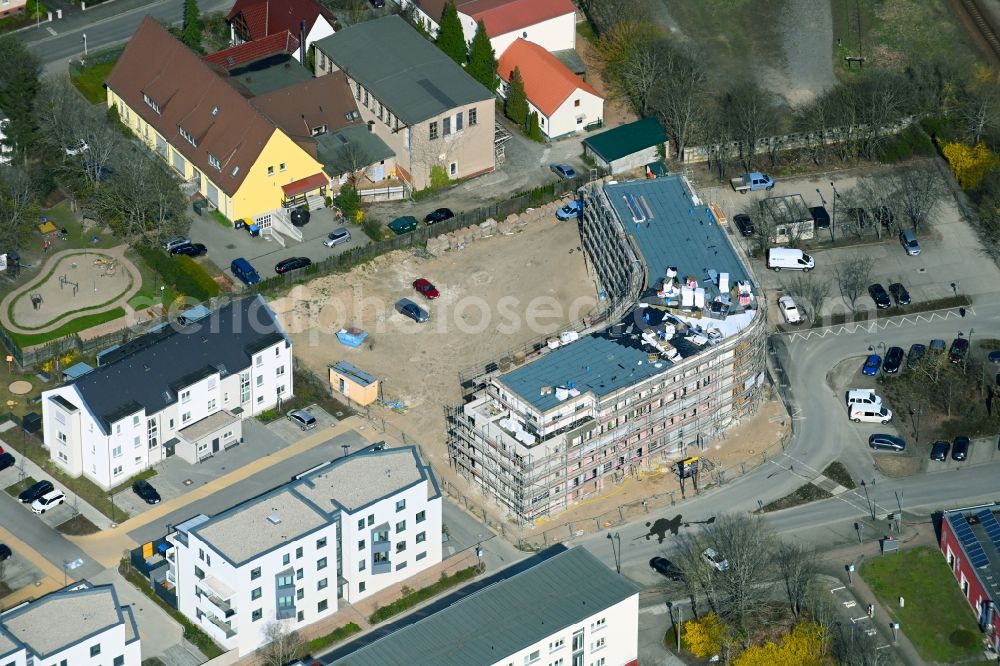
(93, 630)
(5, 150)
(580, 109)
(554, 34)
(312, 558)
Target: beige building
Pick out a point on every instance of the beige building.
(426, 108)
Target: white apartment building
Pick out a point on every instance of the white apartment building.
(6, 150)
(333, 536)
(182, 389)
(80, 625)
(568, 610)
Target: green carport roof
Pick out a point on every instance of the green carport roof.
(627, 139)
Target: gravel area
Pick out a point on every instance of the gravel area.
(806, 29)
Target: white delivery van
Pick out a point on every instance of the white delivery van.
(789, 259)
(862, 398)
(870, 414)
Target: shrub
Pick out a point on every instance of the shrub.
(335, 636)
(184, 274)
(704, 637)
(221, 219)
(439, 177)
(348, 201)
(423, 594)
(373, 228)
(969, 163)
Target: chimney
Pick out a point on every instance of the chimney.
(302, 42)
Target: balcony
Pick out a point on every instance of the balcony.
(228, 631)
(218, 594)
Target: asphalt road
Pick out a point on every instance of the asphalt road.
(50, 544)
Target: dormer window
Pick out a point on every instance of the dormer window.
(316, 131)
(187, 137)
(215, 111)
(352, 115)
(236, 170)
(214, 161)
(150, 103)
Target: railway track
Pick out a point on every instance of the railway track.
(983, 25)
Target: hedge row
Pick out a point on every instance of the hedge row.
(182, 273)
(335, 636)
(410, 600)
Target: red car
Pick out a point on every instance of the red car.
(426, 288)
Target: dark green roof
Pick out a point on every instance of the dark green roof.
(505, 617)
(353, 147)
(627, 139)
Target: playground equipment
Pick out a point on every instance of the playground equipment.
(64, 280)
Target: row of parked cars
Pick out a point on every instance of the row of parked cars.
(894, 356)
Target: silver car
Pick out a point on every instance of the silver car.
(302, 418)
(337, 236)
(175, 242)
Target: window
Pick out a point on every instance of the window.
(118, 470)
(400, 566)
(321, 585)
(279, 371)
(447, 126)
(473, 116)
(286, 558)
(270, 172)
(400, 546)
(285, 602)
(281, 167)
(299, 573)
(421, 516)
(187, 136)
(211, 404)
(371, 520)
(185, 396)
(116, 452)
(380, 558)
(400, 505)
(260, 380)
(421, 537)
(458, 121)
(321, 606)
(255, 594)
(152, 433)
(381, 536)
(361, 545)
(321, 564)
(361, 565)
(255, 573)
(150, 103)
(245, 387)
(95, 650)
(201, 554)
(361, 524)
(597, 626)
(298, 552)
(300, 594)
(597, 645)
(420, 556)
(321, 543)
(533, 657)
(433, 130)
(453, 168)
(119, 660)
(556, 645)
(366, 98)
(400, 526)
(135, 421)
(185, 417)
(599, 662)
(199, 574)
(256, 615)
(558, 662)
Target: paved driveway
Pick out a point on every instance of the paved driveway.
(290, 432)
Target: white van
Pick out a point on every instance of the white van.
(862, 398)
(789, 259)
(871, 414)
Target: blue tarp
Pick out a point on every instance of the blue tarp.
(352, 337)
(75, 371)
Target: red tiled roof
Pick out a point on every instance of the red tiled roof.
(303, 185)
(234, 56)
(192, 97)
(504, 16)
(266, 17)
(547, 82)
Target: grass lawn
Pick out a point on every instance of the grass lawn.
(90, 81)
(936, 618)
(803, 495)
(23, 340)
(15, 489)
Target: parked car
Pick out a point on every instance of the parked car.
(337, 236)
(5, 552)
(291, 264)
(939, 450)
(893, 360)
(377, 4)
(176, 241)
(408, 308)
(244, 272)
(744, 224)
(899, 293)
(49, 500)
(820, 216)
(403, 225)
(883, 442)
(789, 310)
(994, 357)
(908, 239)
(913, 356)
(564, 171)
(570, 211)
(960, 448)
(665, 567)
(880, 296)
(302, 418)
(872, 364)
(6, 460)
(936, 347)
(959, 348)
(425, 287)
(299, 216)
(78, 148)
(439, 215)
(35, 490)
(146, 492)
(190, 250)
(716, 560)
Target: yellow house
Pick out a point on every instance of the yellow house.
(209, 133)
(358, 386)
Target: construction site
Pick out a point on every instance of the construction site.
(672, 359)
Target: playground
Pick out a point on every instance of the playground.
(72, 284)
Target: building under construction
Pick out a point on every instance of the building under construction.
(677, 358)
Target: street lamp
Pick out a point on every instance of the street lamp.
(84, 45)
(616, 553)
(915, 415)
(833, 222)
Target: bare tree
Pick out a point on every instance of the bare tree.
(853, 277)
(810, 290)
(751, 117)
(281, 646)
(878, 196)
(681, 103)
(917, 191)
(797, 565)
(699, 576)
(18, 206)
(605, 14)
(816, 121)
(641, 74)
(881, 101)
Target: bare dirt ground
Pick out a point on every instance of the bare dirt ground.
(616, 111)
(496, 294)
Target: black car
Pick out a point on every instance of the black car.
(820, 216)
(880, 296)
(300, 217)
(899, 293)
(439, 215)
(190, 250)
(744, 224)
(4, 552)
(6, 460)
(665, 567)
(993, 357)
(146, 491)
(291, 264)
(959, 348)
(939, 450)
(960, 448)
(893, 360)
(34, 491)
(886, 442)
(913, 356)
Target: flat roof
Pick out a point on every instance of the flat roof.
(674, 230)
(362, 478)
(207, 425)
(267, 75)
(78, 613)
(504, 618)
(248, 530)
(358, 375)
(624, 140)
(980, 539)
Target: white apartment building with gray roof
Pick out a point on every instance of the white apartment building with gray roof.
(297, 554)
